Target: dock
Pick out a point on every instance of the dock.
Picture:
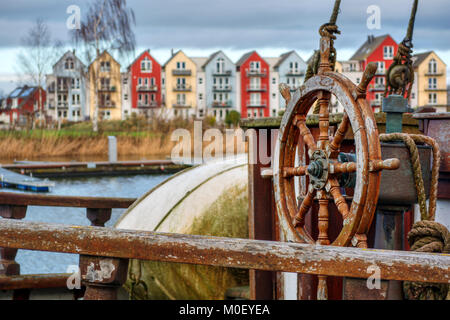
(10, 179)
(100, 168)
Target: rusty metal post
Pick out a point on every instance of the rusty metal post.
(102, 276)
(8, 264)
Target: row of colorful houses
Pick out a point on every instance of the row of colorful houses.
(199, 86)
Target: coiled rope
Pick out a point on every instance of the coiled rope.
(426, 235)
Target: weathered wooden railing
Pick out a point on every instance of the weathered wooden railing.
(105, 251)
(14, 206)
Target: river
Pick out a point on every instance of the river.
(35, 262)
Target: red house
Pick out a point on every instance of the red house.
(381, 50)
(23, 104)
(145, 74)
(254, 81)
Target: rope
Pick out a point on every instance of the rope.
(428, 236)
(136, 280)
(410, 141)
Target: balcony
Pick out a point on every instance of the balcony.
(147, 88)
(295, 73)
(181, 105)
(377, 87)
(221, 104)
(107, 104)
(256, 72)
(147, 104)
(256, 104)
(182, 87)
(375, 103)
(222, 88)
(107, 89)
(256, 88)
(225, 73)
(435, 89)
(63, 105)
(435, 74)
(181, 72)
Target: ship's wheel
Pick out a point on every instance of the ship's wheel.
(320, 168)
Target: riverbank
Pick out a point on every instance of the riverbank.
(136, 139)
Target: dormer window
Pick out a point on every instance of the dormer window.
(220, 66)
(388, 52)
(181, 65)
(146, 65)
(432, 66)
(105, 66)
(68, 65)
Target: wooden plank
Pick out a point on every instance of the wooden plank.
(225, 252)
(10, 198)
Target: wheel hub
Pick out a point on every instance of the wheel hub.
(318, 169)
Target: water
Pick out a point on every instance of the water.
(34, 262)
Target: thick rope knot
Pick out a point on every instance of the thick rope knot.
(427, 236)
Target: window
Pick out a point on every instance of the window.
(125, 97)
(255, 65)
(381, 68)
(125, 80)
(146, 65)
(413, 95)
(200, 96)
(388, 52)
(358, 80)
(432, 66)
(432, 83)
(200, 80)
(220, 65)
(274, 80)
(432, 98)
(68, 65)
(181, 65)
(105, 66)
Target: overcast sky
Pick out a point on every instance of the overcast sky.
(200, 27)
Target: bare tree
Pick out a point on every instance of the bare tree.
(106, 26)
(36, 59)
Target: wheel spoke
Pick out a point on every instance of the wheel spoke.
(324, 121)
(339, 199)
(297, 171)
(306, 134)
(343, 167)
(299, 219)
(323, 221)
(335, 145)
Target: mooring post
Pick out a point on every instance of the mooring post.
(112, 149)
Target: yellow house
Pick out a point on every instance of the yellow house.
(430, 87)
(181, 85)
(105, 72)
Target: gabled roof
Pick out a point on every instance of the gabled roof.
(71, 53)
(211, 57)
(101, 55)
(174, 55)
(282, 58)
(368, 47)
(244, 58)
(272, 61)
(138, 57)
(199, 62)
(419, 58)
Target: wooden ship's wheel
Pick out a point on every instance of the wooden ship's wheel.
(320, 167)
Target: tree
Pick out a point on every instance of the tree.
(232, 118)
(37, 58)
(106, 26)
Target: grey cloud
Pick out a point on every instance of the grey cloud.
(245, 24)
